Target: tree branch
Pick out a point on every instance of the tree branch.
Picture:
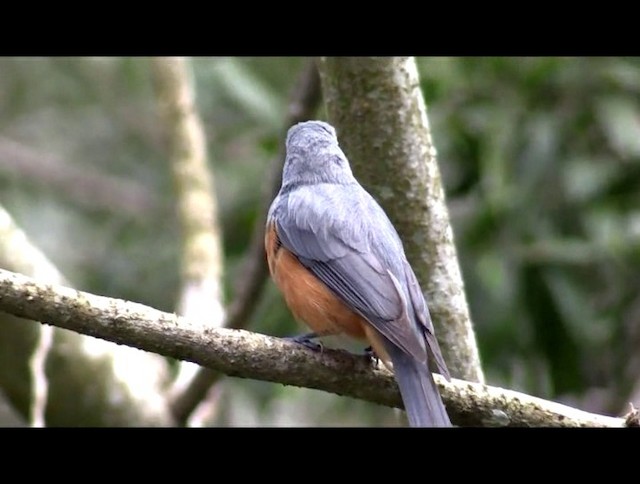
(197, 207)
(18, 253)
(65, 362)
(305, 99)
(377, 107)
(202, 260)
(250, 355)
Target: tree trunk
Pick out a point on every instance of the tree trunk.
(379, 113)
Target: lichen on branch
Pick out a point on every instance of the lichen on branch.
(246, 354)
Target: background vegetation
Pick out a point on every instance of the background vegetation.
(541, 163)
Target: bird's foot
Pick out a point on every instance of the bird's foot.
(370, 355)
(306, 340)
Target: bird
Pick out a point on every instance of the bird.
(341, 267)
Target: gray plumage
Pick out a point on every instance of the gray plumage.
(340, 233)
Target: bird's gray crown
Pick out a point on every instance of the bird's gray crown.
(314, 155)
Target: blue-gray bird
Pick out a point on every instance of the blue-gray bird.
(341, 267)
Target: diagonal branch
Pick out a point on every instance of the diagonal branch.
(244, 354)
(305, 99)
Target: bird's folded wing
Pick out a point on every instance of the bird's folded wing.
(348, 266)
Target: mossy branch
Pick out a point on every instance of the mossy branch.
(245, 354)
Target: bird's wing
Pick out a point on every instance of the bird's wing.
(343, 237)
(424, 318)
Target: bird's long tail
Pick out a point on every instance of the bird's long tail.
(420, 394)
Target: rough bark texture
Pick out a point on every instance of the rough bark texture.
(250, 355)
(90, 369)
(379, 113)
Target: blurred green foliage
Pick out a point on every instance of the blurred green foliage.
(541, 160)
(541, 163)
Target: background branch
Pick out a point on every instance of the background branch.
(197, 208)
(377, 107)
(250, 355)
(61, 361)
(202, 264)
(304, 102)
(19, 254)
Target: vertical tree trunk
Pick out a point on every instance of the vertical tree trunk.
(378, 110)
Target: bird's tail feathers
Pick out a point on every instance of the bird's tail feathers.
(420, 394)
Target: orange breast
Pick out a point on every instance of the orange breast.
(308, 298)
